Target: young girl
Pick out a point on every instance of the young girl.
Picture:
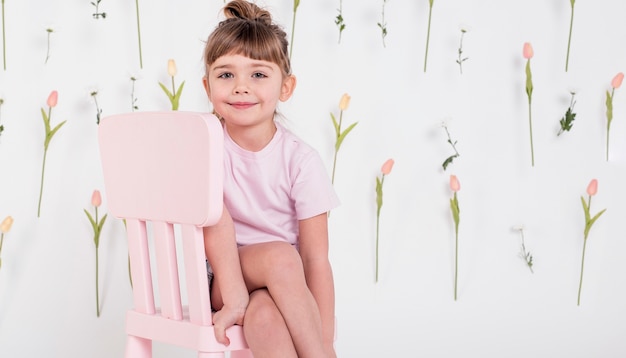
(277, 194)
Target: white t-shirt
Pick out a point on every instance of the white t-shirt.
(268, 191)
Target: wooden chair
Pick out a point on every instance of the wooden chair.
(163, 175)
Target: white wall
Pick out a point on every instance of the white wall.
(47, 295)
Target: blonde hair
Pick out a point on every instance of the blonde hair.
(248, 30)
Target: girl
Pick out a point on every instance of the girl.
(277, 194)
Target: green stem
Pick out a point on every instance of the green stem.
(582, 269)
(530, 123)
(293, 29)
(173, 88)
(1, 241)
(336, 149)
(43, 168)
(4, 42)
(456, 259)
(139, 34)
(97, 243)
(608, 126)
(380, 205)
(130, 276)
(97, 285)
(430, 11)
(569, 40)
(377, 226)
(48, 49)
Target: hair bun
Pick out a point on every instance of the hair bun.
(242, 9)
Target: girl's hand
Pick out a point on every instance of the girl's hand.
(224, 319)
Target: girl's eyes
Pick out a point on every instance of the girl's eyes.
(230, 75)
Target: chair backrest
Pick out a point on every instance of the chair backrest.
(165, 168)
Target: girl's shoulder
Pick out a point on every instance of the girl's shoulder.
(293, 144)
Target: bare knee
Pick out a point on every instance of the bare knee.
(286, 264)
(262, 313)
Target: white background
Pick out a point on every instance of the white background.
(47, 279)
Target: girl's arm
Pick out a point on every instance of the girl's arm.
(319, 276)
(229, 294)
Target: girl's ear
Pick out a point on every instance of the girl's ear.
(289, 85)
(205, 84)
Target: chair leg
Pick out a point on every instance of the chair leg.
(137, 347)
(241, 354)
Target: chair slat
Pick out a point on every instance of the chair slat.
(167, 270)
(143, 294)
(198, 295)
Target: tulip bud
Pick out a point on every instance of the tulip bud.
(617, 80)
(52, 99)
(387, 166)
(454, 183)
(528, 51)
(6, 225)
(96, 199)
(171, 68)
(345, 102)
(592, 188)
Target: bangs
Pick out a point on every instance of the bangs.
(247, 38)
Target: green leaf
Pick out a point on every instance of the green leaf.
(455, 211)
(529, 80)
(567, 120)
(91, 220)
(593, 220)
(335, 124)
(585, 209)
(167, 92)
(52, 133)
(449, 161)
(609, 107)
(176, 99)
(379, 193)
(343, 135)
(104, 218)
(46, 120)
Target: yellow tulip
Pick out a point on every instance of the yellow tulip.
(345, 102)
(171, 68)
(6, 224)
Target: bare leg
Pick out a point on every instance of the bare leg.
(265, 328)
(277, 266)
(229, 295)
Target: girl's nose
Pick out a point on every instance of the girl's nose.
(241, 87)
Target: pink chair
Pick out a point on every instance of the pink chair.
(163, 175)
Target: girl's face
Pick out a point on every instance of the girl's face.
(245, 92)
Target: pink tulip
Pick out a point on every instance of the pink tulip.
(387, 166)
(96, 199)
(6, 224)
(52, 99)
(454, 183)
(592, 188)
(617, 80)
(528, 51)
